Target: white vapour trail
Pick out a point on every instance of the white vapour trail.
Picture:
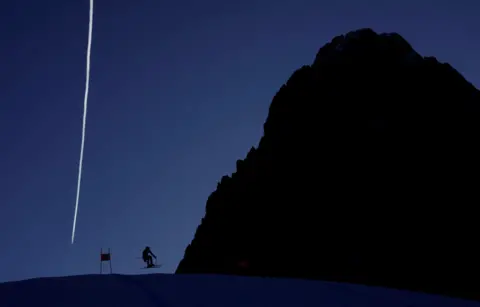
(85, 102)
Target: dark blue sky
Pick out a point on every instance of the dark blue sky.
(179, 91)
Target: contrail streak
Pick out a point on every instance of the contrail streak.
(85, 103)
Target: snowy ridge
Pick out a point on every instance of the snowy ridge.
(205, 290)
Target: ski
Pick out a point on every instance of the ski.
(152, 267)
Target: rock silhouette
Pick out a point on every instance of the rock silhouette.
(367, 172)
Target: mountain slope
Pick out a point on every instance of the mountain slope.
(365, 173)
(202, 290)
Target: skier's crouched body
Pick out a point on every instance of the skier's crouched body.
(147, 256)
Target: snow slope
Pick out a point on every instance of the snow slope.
(157, 290)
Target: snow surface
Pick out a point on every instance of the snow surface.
(155, 290)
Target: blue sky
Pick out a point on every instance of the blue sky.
(179, 91)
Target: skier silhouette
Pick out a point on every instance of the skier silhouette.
(147, 257)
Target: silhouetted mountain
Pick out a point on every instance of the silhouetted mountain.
(367, 172)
